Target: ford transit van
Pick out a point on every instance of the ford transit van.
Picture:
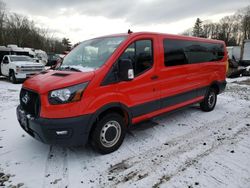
(106, 84)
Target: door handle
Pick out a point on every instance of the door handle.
(154, 77)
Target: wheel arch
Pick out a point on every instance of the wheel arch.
(215, 85)
(11, 70)
(219, 86)
(119, 108)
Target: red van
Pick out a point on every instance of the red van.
(106, 84)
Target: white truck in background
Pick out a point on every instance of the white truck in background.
(17, 67)
(246, 53)
(39, 56)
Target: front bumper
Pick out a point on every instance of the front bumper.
(22, 75)
(67, 131)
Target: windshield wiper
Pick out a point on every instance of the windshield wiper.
(70, 68)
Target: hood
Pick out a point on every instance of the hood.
(51, 80)
(27, 63)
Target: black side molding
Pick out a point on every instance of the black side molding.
(165, 102)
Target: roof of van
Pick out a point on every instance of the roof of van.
(3, 48)
(173, 36)
(233, 46)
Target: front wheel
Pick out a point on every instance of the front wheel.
(12, 77)
(209, 101)
(109, 133)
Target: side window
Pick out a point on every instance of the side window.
(181, 52)
(141, 55)
(174, 53)
(6, 60)
(199, 52)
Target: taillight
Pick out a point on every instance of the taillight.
(227, 66)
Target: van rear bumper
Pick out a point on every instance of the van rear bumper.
(66, 131)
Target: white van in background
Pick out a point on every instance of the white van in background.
(31, 52)
(41, 56)
(15, 50)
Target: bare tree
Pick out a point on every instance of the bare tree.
(208, 28)
(246, 23)
(233, 29)
(18, 29)
(244, 19)
(187, 32)
(2, 18)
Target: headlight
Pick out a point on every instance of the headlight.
(18, 69)
(66, 95)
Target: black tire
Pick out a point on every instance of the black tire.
(108, 133)
(209, 101)
(12, 77)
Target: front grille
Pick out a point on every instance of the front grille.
(29, 67)
(32, 70)
(30, 102)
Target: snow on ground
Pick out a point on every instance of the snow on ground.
(188, 148)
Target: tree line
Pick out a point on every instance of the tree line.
(18, 29)
(233, 29)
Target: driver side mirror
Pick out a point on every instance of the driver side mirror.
(57, 64)
(126, 71)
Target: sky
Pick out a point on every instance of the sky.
(79, 20)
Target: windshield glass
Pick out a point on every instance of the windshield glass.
(92, 54)
(21, 58)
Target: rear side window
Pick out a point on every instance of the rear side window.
(180, 52)
(141, 55)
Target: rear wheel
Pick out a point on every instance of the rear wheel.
(209, 101)
(109, 133)
(12, 77)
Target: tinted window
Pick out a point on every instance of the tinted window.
(180, 52)
(6, 60)
(141, 55)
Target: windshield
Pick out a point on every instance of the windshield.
(92, 54)
(21, 58)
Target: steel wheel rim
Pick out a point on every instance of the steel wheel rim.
(211, 99)
(103, 137)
